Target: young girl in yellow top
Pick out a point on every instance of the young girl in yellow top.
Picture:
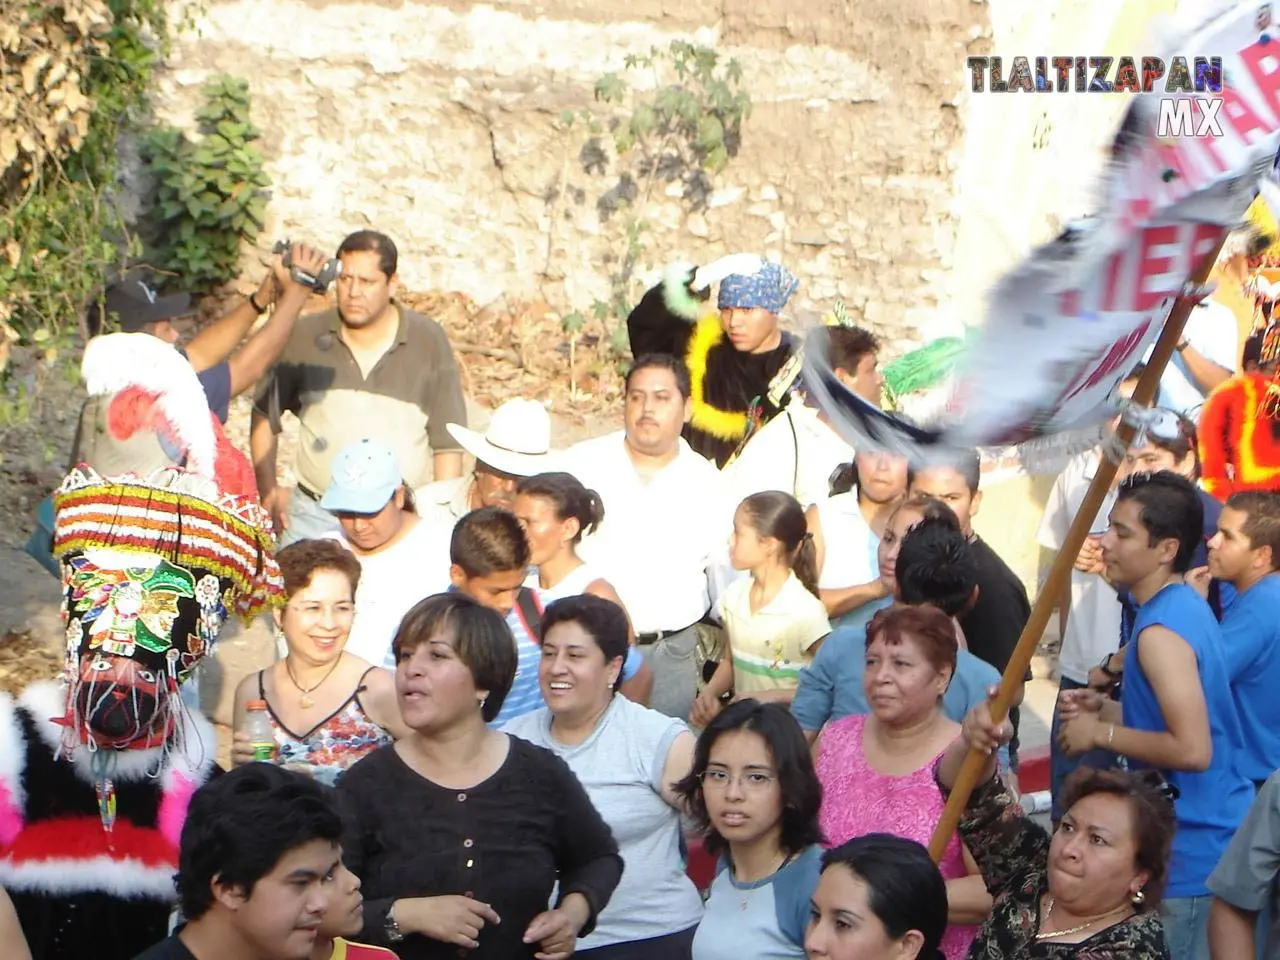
(773, 620)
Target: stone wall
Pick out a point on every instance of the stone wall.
(437, 122)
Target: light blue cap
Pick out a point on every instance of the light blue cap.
(365, 477)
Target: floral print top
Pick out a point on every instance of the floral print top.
(332, 745)
(1013, 855)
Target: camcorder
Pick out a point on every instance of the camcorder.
(319, 282)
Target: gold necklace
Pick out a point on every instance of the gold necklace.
(1050, 934)
(305, 701)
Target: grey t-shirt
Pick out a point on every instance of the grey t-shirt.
(1248, 875)
(763, 920)
(621, 765)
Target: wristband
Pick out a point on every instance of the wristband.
(254, 303)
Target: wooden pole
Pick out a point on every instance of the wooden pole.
(1059, 575)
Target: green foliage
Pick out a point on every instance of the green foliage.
(684, 125)
(60, 231)
(211, 191)
(685, 128)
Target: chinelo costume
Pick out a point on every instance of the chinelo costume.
(729, 387)
(97, 769)
(1239, 429)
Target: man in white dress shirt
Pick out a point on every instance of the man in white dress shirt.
(666, 526)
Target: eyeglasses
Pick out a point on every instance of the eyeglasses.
(753, 781)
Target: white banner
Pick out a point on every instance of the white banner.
(1071, 321)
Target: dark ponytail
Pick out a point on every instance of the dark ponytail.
(779, 515)
(569, 497)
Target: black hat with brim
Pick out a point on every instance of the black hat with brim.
(136, 305)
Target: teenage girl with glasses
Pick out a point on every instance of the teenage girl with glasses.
(753, 792)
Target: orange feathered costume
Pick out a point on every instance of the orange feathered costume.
(1239, 432)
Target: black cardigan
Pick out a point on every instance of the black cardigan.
(506, 842)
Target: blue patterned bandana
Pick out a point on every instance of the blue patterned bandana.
(769, 288)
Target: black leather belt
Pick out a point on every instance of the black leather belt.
(649, 639)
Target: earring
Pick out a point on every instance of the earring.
(1138, 898)
(483, 701)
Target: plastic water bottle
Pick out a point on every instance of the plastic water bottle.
(257, 725)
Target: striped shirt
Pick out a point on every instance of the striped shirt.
(771, 644)
(525, 695)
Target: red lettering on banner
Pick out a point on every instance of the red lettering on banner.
(1205, 238)
(1111, 280)
(1068, 303)
(1151, 265)
(1267, 76)
(1115, 357)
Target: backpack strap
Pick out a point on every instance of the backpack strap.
(529, 610)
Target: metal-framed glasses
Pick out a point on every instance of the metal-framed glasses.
(752, 781)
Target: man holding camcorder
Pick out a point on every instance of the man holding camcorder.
(131, 305)
(368, 368)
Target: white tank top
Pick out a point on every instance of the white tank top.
(849, 545)
(573, 585)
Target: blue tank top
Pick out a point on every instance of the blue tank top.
(1211, 804)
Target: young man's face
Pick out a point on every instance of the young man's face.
(864, 379)
(282, 917)
(497, 591)
(949, 486)
(1231, 555)
(1127, 551)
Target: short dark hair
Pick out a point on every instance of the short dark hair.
(239, 825)
(964, 461)
(480, 636)
(603, 620)
(1170, 509)
(932, 629)
(1262, 520)
(1153, 818)
(846, 346)
(905, 889)
(1182, 443)
(570, 498)
(488, 540)
(371, 241)
(662, 361)
(936, 566)
(299, 562)
(792, 759)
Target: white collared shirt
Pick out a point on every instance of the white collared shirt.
(795, 452)
(663, 542)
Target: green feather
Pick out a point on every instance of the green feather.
(677, 296)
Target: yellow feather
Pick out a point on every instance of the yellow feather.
(721, 424)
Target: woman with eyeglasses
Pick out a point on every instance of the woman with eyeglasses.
(327, 707)
(755, 797)
(1092, 890)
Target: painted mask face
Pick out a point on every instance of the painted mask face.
(137, 625)
(117, 702)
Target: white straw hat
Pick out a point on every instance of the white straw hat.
(517, 442)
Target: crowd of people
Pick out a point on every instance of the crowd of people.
(516, 683)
